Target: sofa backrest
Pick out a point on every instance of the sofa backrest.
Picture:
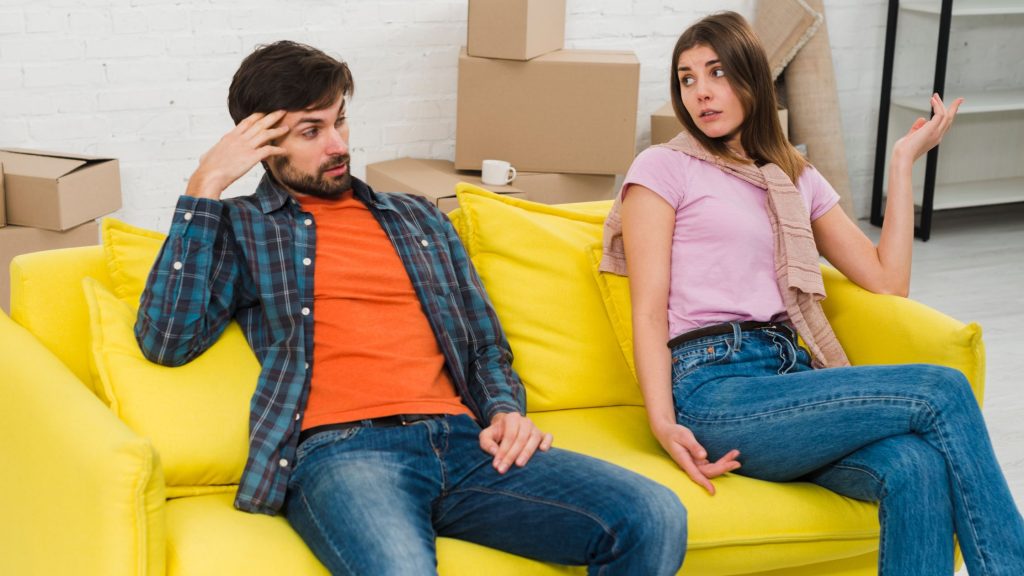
(47, 299)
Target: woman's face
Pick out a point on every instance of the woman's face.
(707, 95)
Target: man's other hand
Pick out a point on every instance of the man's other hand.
(512, 437)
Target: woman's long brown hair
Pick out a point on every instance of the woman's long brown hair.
(746, 69)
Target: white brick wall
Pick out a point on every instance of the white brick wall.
(146, 80)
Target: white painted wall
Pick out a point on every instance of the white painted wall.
(146, 80)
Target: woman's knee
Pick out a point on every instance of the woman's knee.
(946, 388)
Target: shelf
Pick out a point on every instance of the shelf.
(978, 193)
(974, 102)
(968, 7)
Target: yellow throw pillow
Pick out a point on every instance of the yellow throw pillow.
(882, 329)
(535, 262)
(130, 252)
(196, 415)
(615, 294)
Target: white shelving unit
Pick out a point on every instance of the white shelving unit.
(983, 158)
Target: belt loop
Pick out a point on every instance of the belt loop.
(737, 335)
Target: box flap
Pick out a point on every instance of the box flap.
(52, 154)
(36, 166)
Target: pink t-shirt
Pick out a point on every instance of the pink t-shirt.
(723, 253)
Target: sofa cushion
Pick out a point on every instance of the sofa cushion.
(749, 525)
(196, 415)
(206, 533)
(535, 261)
(129, 252)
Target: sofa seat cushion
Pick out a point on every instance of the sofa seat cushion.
(749, 525)
(206, 535)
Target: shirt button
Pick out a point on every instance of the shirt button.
(177, 265)
(187, 216)
(424, 243)
(283, 463)
(297, 416)
(307, 261)
(308, 222)
(307, 365)
(305, 311)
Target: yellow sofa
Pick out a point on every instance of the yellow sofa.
(115, 467)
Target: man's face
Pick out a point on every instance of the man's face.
(316, 160)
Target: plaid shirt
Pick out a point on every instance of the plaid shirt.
(252, 259)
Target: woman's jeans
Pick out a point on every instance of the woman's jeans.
(371, 500)
(909, 437)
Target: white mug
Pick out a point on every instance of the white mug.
(497, 173)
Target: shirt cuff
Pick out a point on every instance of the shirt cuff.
(196, 217)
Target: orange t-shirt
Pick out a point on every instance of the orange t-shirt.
(374, 353)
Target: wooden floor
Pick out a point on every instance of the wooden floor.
(972, 268)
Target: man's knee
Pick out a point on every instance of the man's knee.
(657, 526)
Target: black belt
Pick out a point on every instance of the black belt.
(382, 422)
(726, 328)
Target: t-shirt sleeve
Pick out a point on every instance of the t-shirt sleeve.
(818, 194)
(658, 169)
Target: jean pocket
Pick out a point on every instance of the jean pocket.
(698, 354)
(324, 439)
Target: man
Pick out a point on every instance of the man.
(387, 411)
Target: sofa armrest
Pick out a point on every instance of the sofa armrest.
(881, 329)
(80, 492)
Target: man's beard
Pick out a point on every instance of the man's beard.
(318, 185)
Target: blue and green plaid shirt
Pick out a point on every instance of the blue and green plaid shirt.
(252, 258)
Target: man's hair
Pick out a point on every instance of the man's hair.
(747, 71)
(288, 76)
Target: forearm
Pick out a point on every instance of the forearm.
(653, 366)
(895, 245)
(188, 299)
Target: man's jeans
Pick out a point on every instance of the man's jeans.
(372, 500)
(909, 437)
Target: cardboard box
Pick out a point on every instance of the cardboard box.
(515, 29)
(435, 179)
(3, 200)
(59, 191)
(568, 111)
(664, 125)
(565, 188)
(16, 240)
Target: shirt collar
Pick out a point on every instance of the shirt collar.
(272, 196)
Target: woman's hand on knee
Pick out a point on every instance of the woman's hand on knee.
(684, 449)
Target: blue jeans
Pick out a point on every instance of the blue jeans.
(909, 437)
(372, 500)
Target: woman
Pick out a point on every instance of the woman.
(721, 230)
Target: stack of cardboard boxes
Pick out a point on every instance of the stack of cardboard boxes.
(51, 200)
(565, 119)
